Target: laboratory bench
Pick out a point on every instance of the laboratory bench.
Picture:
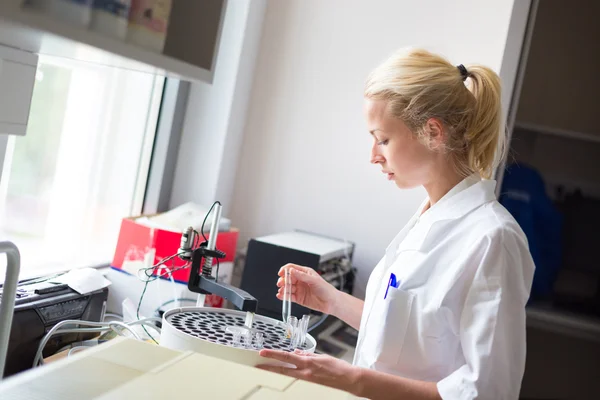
(129, 369)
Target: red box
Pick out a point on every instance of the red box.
(144, 246)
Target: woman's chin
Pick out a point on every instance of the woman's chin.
(402, 184)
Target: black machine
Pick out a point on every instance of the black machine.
(202, 256)
(266, 255)
(40, 306)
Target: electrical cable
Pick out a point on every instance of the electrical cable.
(113, 315)
(138, 311)
(150, 278)
(114, 324)
(179, 299)
(206, 217)
(98, 327)
(204, 236)
(173, 284)
(75, 350)
(147, 322)
(318, 323)
(38, 356)
(149, 272)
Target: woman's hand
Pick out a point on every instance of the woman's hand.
(309, 289)
(317, 368)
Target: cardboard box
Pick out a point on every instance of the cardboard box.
(141, 246)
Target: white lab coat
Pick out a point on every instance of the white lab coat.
(458, 315)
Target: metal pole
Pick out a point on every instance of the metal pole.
(212, 244)
(9, 293)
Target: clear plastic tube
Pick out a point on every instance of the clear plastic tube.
(286, 309)
(259, 340)
(247, 339)
(292, 327)
(303, 328)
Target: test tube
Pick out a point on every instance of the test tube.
(247, 339)
(292, 327)
(286, 309)
(304, 328)
(259, 340)
(236, 338)
(296, 337)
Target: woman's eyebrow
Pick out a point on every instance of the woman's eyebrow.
(372, 131)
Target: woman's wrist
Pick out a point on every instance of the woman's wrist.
(356, 384)
(333, 306)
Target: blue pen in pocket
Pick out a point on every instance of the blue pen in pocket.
(393, 283)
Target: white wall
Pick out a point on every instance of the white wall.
(305, 156)
(213, 124)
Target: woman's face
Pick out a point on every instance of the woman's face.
(396, 149)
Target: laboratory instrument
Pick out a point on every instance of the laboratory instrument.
(286, 308)
(330, 257)
(235, 335)
(221, 333)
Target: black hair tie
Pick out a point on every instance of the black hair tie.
(463, 72)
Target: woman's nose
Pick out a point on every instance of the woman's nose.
(376, 157)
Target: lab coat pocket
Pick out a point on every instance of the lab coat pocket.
(387, 326)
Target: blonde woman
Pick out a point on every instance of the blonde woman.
(444, 313)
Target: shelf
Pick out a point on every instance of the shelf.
(38, 33)
(547, 130)
(544, 316)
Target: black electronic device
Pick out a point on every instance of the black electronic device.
(40, 306)
(266, 255)
(201, 257)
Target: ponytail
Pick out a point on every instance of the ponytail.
(486, 141)
(420, 85)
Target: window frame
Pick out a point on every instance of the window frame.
(160, 149)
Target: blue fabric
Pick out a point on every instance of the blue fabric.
(524, 195)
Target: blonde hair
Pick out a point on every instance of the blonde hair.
(419, 85)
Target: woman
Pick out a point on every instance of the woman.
(444, 313)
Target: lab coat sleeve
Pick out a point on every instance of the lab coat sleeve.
(492, 321)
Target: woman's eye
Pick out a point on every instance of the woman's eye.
(383, 142)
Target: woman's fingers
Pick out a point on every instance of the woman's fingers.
(291, 372)
(304, 277)
(279, 296)
(303, 353)
(293, 267)
(284, 356)
(294, 290)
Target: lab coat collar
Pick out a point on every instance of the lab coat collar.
(461, 203)
(448, 208)
(393, 246)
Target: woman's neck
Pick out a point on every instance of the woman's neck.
(440, 185)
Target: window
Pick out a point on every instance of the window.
(82, 166)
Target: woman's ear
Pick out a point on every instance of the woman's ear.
(435, 133)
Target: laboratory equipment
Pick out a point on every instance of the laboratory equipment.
(286, 308)
(40, 306)
(201, 257)
(221, 333)
(266, 255)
